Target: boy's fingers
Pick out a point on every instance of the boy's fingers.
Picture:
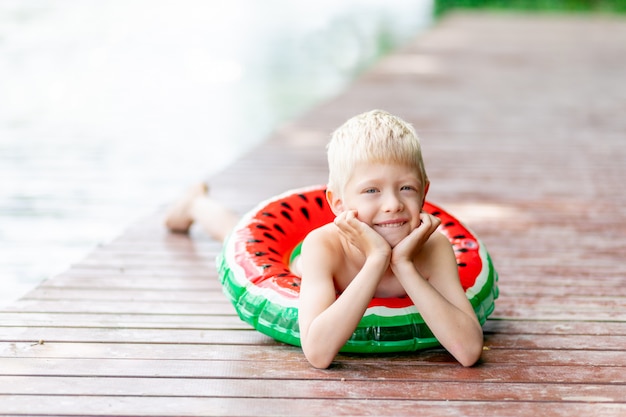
(426, 221)
(430, 221)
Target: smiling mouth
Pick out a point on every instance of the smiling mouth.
(391, 225)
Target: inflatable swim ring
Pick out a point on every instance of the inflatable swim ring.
(255, 275)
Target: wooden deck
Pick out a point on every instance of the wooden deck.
(523, 123)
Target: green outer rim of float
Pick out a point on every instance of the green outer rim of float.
(381, 330)
(266, 311)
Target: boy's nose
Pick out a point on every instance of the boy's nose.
(392, 203)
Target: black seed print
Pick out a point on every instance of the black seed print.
(449, 224)
(462, 250)
(280, 229)
(302, 196)
(459, 237)
(436, 213)
(286, 215)
(274, 251)
(265, 266)
(286, 205)
(269, 236)
(462, 264)
(319, 201)
(294, 284)
(305, 212)
(268, 214)
(262, 226)
(260, 253)
(254, 241)
(282, 274)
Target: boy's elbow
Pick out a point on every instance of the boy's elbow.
(469, 354)
(317, 356)
(468, 350)
(320, 364)
(319, 360)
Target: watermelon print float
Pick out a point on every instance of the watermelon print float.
(255, 275)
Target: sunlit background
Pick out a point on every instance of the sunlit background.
(109, 109)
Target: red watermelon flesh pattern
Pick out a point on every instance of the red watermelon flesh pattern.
(464, 243)
(264, 245)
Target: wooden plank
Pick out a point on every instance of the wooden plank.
(137, 307)
(236, 336)
(103, 272)
(601, 289)
(133, 335)
(179, 295)
(97, 320)
(311, 389)
(283, 353)
(254, 407)
(512, 311)
(118, 282)
(108, 320)
(509, 310)
(533, 327)
(528, 285)
(527, 306)
(365, 369)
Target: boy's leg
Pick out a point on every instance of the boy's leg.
(197, 207)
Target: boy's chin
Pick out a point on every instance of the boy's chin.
(394, 238)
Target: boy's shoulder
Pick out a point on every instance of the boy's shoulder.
(323, 247)
(436, 244)
(325, 240)
(325, 235)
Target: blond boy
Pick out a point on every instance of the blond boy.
(381, 243)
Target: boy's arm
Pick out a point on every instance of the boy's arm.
(440, 299)
(327, 322)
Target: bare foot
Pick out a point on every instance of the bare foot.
(178, 217)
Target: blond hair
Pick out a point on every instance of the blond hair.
(374, 137)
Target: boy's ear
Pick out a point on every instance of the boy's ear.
(335, 202)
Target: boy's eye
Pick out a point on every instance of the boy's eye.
(407, 187)
(370, 190)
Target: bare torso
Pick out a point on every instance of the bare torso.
(352, 262)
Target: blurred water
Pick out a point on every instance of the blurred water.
(110, 108)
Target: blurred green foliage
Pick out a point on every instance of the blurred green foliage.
(618, 6)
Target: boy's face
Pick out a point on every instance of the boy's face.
(387, 197)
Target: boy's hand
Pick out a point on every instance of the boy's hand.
(409, 247)
(361, 235)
